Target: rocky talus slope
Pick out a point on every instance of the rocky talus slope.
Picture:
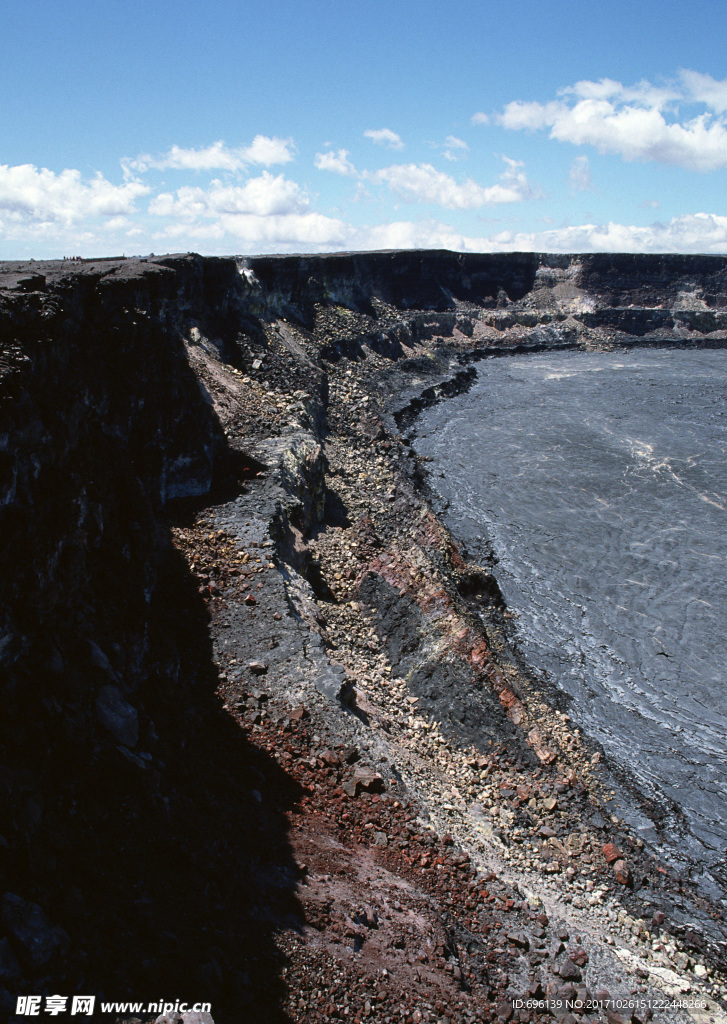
(266, 741)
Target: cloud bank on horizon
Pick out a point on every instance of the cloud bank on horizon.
(375, 188)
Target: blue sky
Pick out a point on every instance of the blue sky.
(236, 126)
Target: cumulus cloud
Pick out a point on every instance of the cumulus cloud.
(267, 151)
(643, 93)
(705, 89)
(691, 233)
(336, 161)
(48, 213)
(579, 175)
(264, 196)
(406, 234)
(29, 194)
(480, 118)
(309, 231)
(45, 213)
(265, 212)
(263, 150)
(455, 148)
(384, 137)
(520, 115)
(422, 183)
(640, 122)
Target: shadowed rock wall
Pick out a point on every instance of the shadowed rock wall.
(101, 420)
(427, 280)
(115, 814)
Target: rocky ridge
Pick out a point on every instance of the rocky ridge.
(237, 613)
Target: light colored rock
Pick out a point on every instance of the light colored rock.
(667, 979)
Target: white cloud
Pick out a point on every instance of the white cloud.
(422, 183)
(480, 118)
(336, 161)
(263, 150)
(264, 196)
(519, 115)
(600, 90)
(117, 223)
(214, 157)
(311, 232)
(267, 212)
(455, 148)
(384, 137)
(643, 94)
(691, 233)
(44, 213)
(407, 234)
(579, 175)
(29, 194)
(308, 231)
(515, 179)
(636, 122)
(267, 151)
(705, 89)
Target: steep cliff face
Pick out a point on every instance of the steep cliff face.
(672, 282)
(129, 388)
(440, 280)
(426, 280)
(106, 671)
(102, 422)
